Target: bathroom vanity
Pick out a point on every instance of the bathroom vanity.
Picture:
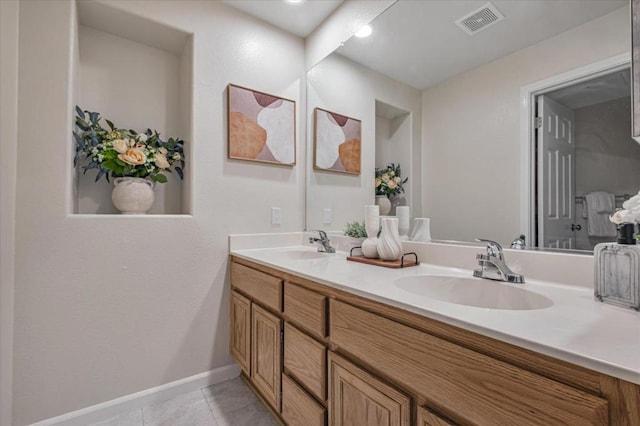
(319, 350)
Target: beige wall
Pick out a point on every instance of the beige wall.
(345, 87)
(8, 135)
(109, 305)
(471, 130)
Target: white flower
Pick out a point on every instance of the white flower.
(621, 216)
(120, 145)
(630, 212)
(392, 184)
(632, 203)
(161, 160)
(133, 156)
(142, 137)
(397, 179)
(94, 151)
(100, 158)
(162, 150)
(176, 156)
(385, 178)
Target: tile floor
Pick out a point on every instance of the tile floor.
(229, 403)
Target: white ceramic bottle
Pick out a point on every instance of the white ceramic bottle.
(389, 246)
(404, 222)
(372, 225)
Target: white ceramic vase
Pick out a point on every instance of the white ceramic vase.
(421, 230)
(389, 246)
(132, 195)
(372, 225)
(384, 204)
(404, 222)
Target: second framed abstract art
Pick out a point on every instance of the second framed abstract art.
(262, 127)
(337, 143)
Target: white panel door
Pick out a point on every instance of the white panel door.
(556, 175)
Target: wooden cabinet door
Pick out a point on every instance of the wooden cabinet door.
(357, 398)
(241, 331)
(266, 355)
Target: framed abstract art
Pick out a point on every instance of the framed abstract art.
(337, 143)
(262, 127)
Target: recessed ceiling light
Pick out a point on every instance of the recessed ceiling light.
(294, 1)
(364, 31)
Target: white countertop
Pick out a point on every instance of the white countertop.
(576, 328)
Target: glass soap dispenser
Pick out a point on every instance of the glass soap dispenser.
(617, 269)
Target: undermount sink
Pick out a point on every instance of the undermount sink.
(476, 292)
(304, 254)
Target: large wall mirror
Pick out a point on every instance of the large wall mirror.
(443, 96)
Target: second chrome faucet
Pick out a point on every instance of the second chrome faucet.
(323, 241)
(493, 266)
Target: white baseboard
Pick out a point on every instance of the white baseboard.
(124, 404)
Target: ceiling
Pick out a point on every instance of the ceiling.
(594, 91)
(411, 33)
(418, 43)
(296, 18)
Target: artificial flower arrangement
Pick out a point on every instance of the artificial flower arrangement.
(115, 152)
(389, 180)
(630, 212)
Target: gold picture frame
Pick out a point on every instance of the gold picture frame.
(337, 142)
(261, 127)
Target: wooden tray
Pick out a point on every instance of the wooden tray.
(403, 262)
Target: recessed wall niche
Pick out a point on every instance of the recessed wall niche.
(137, 73)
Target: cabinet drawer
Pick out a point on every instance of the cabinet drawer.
(264, 288)
(305, 308)
(298, 408)
(465, 385)
(306, 360)
(427, 418)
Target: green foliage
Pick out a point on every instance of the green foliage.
(355, 229)
(115, 152)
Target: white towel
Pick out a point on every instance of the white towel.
(599, 205)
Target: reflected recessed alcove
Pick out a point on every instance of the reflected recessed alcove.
(137, 73)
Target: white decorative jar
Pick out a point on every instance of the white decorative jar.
(132, 195)
(421, 230)
(384, 204)
(389, 246)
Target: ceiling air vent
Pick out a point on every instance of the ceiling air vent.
(480, 19)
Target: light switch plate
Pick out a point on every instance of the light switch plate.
(276, 216)
(327, 217)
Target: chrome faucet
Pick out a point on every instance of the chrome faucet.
(492, 265)
(325, 246)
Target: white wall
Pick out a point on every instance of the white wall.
(109, 305)
(345, 87)
(471, 134)
(393, 136)
(8, 147)
(139, 90)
